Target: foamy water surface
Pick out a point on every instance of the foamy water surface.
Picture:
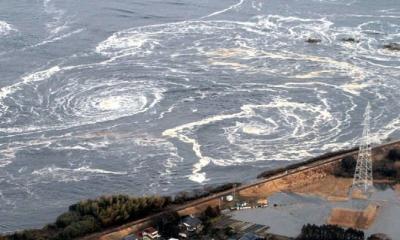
(142, 97)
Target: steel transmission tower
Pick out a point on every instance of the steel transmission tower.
(363, 174)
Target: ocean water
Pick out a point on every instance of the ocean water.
(154, 97)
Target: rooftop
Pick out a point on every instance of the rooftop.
(150, 230)
(191, 221)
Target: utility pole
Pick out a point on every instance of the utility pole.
(363, 174)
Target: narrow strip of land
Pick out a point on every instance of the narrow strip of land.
(215, 197)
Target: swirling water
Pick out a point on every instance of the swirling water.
(142, 97)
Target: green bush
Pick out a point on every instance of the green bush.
(66, 219)
(30, 235)
(211, 212)
(347, 167)
(167, 224)
(93, 215)
(79, 228)
(349, 163)
(385, 170)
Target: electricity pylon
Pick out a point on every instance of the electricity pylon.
(363, 174)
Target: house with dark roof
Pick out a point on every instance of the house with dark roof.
(192, 224)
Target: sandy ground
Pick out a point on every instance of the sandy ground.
(265, 190)
(329, 188)
(352, 218)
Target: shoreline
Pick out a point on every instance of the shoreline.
(298, 177)
(319, 164)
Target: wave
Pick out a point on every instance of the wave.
(287, 124)
(270, 45)
(59, 27)
(76, 101)
(239, 89)
(37, 76)
(265, 56)
(6, 28)
(244, 44)
(232, 7)
(53, 39)
(82, 173)
(58, 24)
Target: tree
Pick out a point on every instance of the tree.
(66, 219)
(394, 154)
(211, 212)
(91, 215)
(349, 163)
(347, 167)
(167, 224)
(79, 228)
(329, 232)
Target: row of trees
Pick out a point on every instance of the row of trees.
(329, 232)
(386, 168)
(94, 215)
(270, 173)
(184, 196)
(394, 155)
(114, 210)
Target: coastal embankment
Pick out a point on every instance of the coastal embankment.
(293, 177)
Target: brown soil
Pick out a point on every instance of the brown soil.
(355, 219)
(289, 182)
(263, 190)
(330, 188)
(117, 235)
(198, 208)
(359, 194)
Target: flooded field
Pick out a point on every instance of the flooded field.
(288, 212)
